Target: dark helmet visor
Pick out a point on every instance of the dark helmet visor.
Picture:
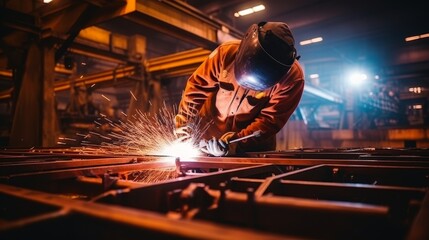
(254, 68)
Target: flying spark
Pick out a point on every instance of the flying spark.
(105, 97)
(143, 134)
(134, 97)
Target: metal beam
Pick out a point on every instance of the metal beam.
(60, 17)
(97, 78)
(179, 20)
(170, 15)
(26, 130)
(177, 64)
(12, 19)
(143, 222)
(174, 65)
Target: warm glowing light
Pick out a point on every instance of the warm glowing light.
(47, 1)
(258, 8)
(415, 90)
(416, 37)
(248, 11)
(143, 134)
(418, 106)
(184, 150)
(412, 38)
(318, 39)
(311, 41)
(150, 134)
(424, 35)
(305, 42)
(245, 12)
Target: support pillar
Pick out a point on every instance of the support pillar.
(147, 91)
(50, 124)
(35, 120)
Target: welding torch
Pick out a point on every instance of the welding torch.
(257, 133)
(254, 134)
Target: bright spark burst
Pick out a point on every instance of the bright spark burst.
(183, 150)
(153, 135)
(146, 134)
(142, 134)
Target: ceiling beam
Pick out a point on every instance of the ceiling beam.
(181, 21)
(177, 64)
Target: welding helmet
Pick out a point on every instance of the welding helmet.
(265, 55)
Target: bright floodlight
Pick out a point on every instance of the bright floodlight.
(248, 11)
(357, 78)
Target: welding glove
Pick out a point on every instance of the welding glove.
(215, 147)
(219, 147)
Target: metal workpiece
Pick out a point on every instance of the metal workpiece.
(271, 197)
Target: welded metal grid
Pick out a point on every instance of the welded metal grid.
(271, 196)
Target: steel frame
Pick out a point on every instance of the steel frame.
(270, 197)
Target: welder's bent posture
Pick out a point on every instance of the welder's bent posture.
(242, 87)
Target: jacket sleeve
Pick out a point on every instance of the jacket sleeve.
(203, 82)
(275, 114)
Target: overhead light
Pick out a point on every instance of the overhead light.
(357, 78)
(310, 41)
(417, 106)
(314, 79)
(47, 1)
(415, 89)
(416, 37)
(248, 11)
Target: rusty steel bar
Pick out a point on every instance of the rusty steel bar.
(158, 224)
(87, 171)
(302, 161)
(52, 164)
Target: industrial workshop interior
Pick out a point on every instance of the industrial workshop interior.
(89, 90)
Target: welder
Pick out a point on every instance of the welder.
(244, 86)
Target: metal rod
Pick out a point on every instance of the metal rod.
(254, 134)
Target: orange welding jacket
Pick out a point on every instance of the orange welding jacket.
(213, 93)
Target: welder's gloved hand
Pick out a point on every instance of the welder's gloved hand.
(227, 137)
(215, 147)
(182, 131)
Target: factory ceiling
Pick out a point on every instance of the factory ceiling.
(352, 31)
(361, 33)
